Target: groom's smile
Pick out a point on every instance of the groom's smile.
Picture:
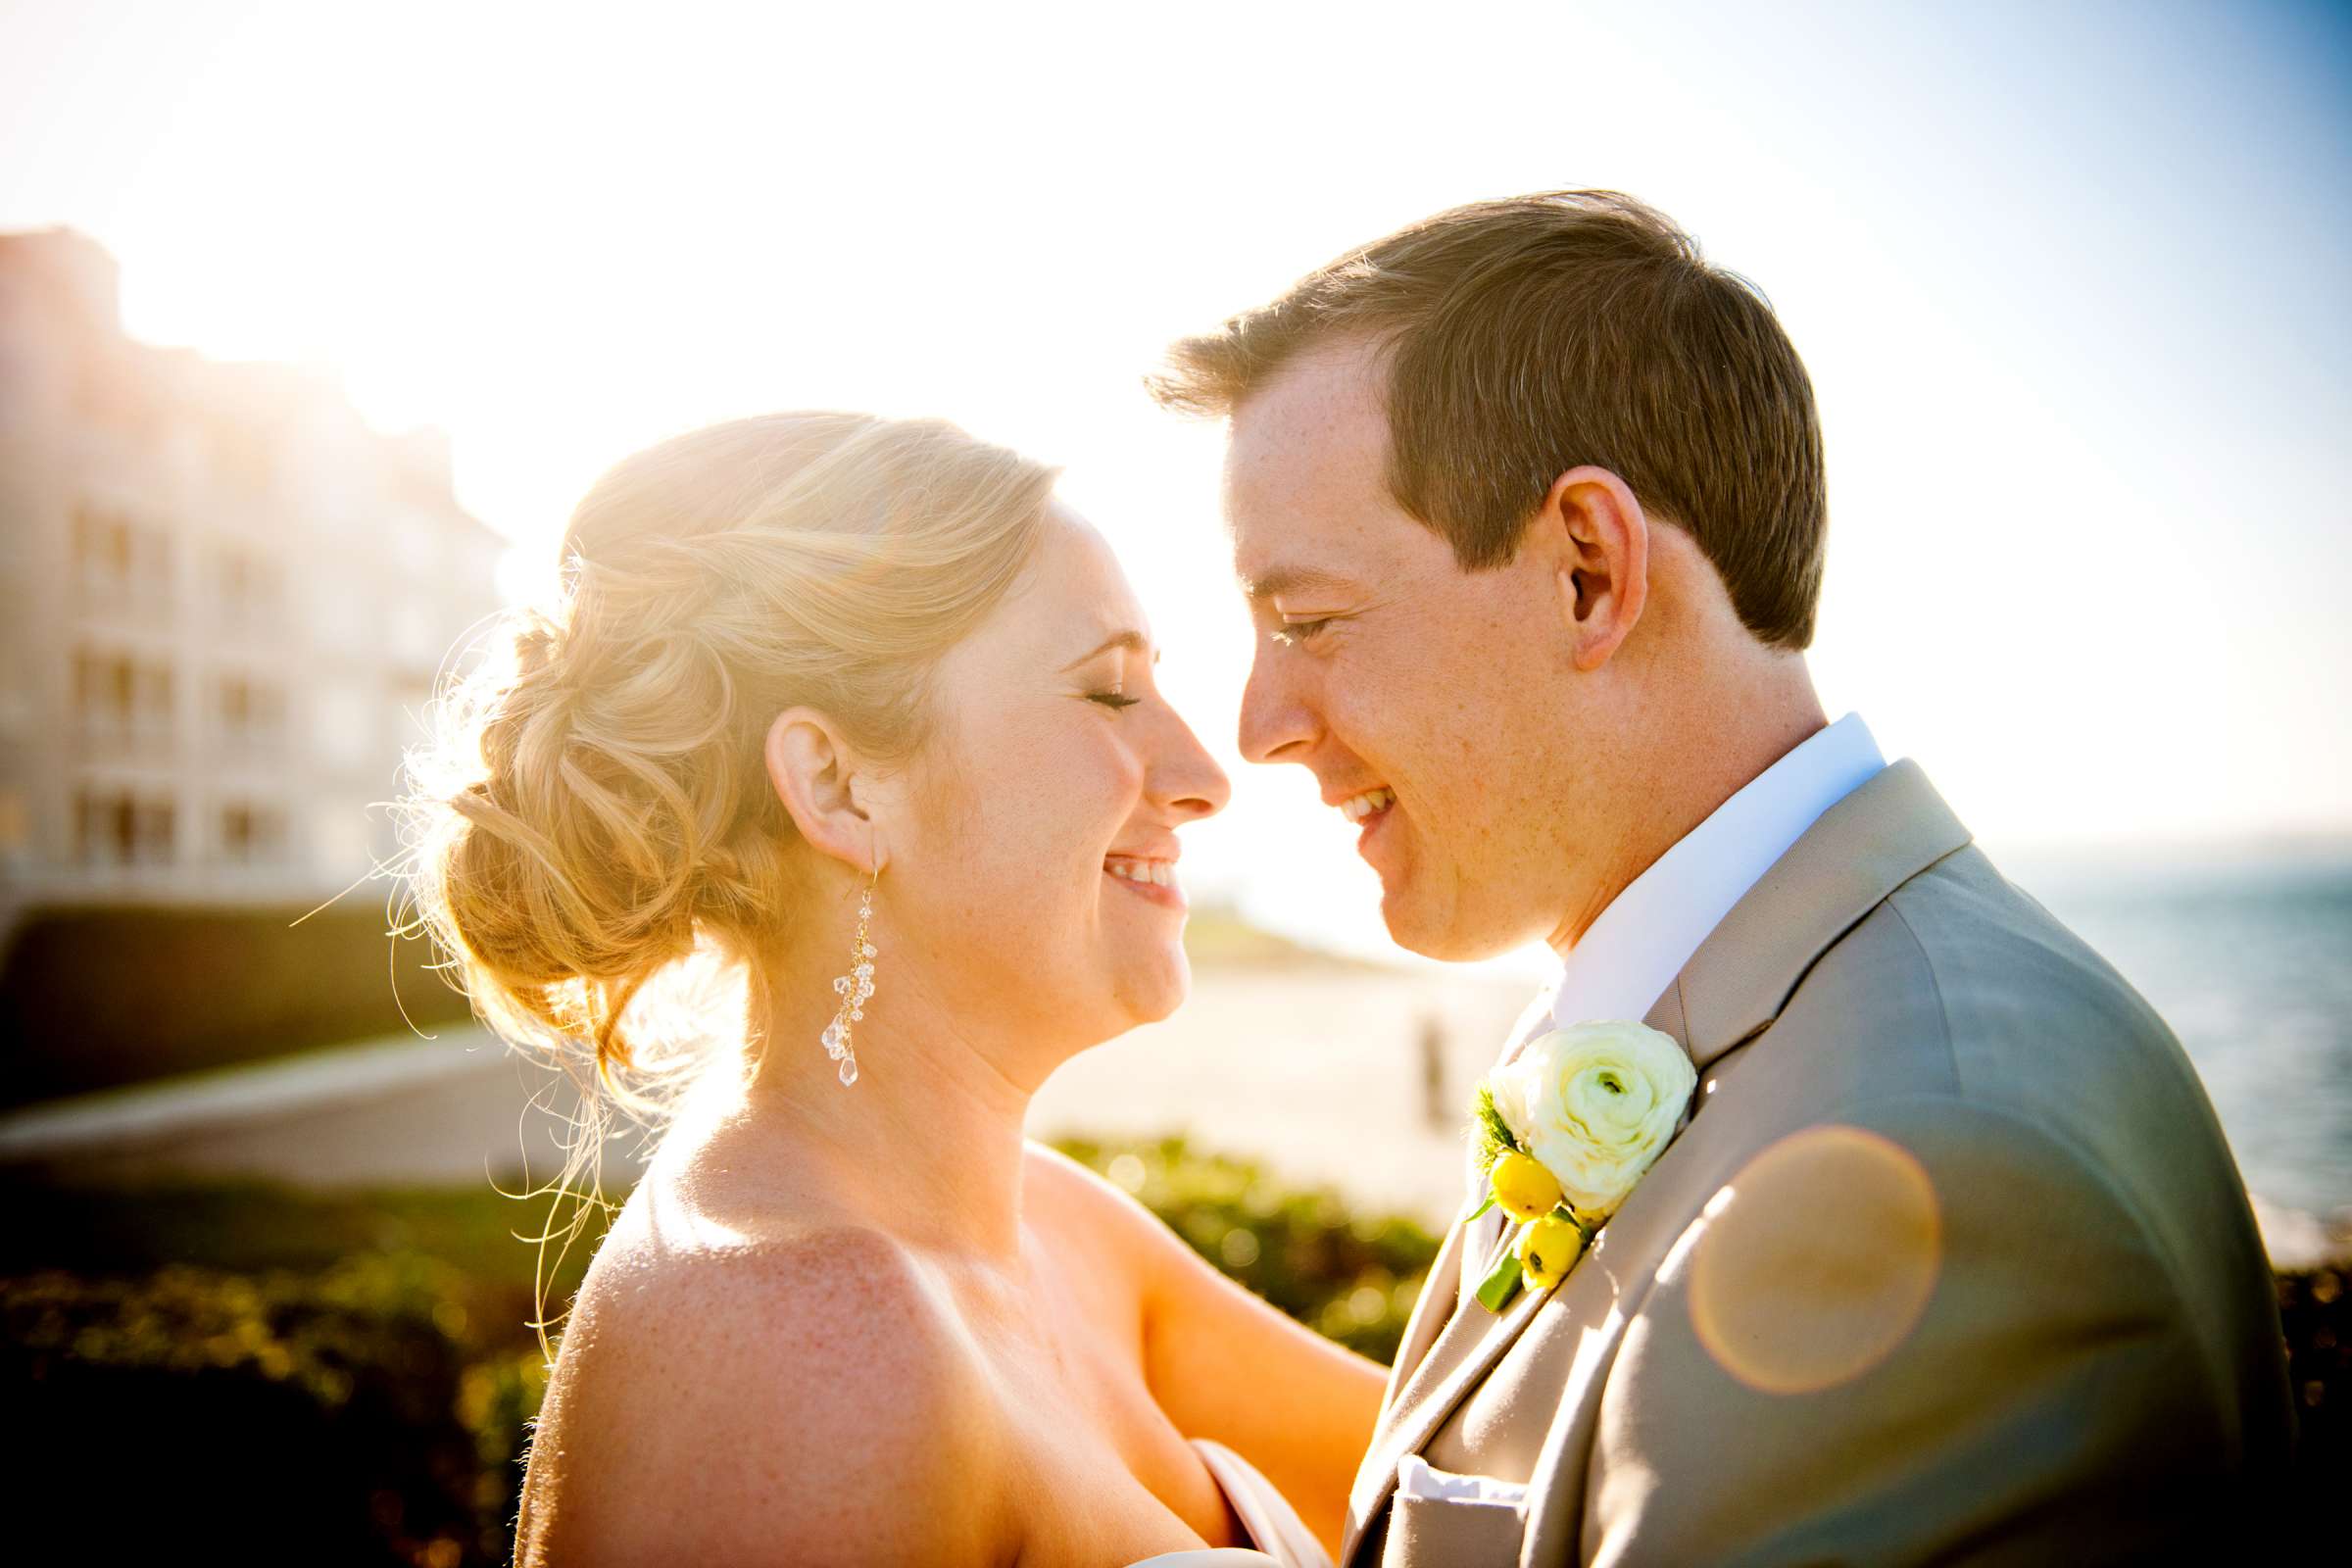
(1368, 809)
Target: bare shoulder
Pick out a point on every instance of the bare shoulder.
(775, 1402)
(1158, 1273)
(1057, 1177)
(1082, 1198)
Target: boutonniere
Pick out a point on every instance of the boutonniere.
(1564, 1131)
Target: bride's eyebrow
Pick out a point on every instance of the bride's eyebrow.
(1127, 637)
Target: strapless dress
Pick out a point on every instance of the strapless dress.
(1277, 1535)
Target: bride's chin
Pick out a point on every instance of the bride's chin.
(1152, 995)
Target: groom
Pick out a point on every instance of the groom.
(1950, 1258)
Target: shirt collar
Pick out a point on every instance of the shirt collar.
(1633, 952)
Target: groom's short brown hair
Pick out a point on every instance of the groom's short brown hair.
(1527, 336)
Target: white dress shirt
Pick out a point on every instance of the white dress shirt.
(1627, 958)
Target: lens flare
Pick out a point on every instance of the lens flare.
(1817, 1260)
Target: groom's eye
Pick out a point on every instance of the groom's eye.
(1290, 633)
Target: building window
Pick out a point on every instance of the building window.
(114, 827)
(251, 586)
(156, 822)
(120, 562)
(103, 690)
(121, 699)
(252, 834)
(102, 543)
(152, 715)
(252, 714)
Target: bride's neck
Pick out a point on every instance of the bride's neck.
(926, 1145)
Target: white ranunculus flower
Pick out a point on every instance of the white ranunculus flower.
(1596, 1104)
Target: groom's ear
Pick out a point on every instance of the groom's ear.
(817, 775)
(1600, 541)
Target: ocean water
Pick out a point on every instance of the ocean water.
(2248, 956)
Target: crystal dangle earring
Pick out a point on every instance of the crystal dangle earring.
(854, 988)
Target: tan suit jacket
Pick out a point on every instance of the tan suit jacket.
(1950, 1263)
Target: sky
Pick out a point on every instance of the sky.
(2071, 281)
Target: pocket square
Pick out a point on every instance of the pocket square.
(1416, 1477)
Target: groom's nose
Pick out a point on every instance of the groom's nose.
(1278, 720)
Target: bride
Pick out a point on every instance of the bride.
(860, 704)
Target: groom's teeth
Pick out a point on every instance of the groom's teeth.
(1358, 808)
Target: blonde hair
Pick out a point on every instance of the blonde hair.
(595, 806)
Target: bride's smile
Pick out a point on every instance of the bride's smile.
(1151, 876)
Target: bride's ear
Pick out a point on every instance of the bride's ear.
(824, 786)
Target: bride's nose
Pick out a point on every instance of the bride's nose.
(1185, 780)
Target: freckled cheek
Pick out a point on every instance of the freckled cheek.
(1409, 722)
(1069, 804)
(987, 813)
(1114, 788)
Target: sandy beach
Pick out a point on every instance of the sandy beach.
(1321, 1073)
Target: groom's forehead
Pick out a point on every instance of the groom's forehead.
(1304, 478)
(1316, 534)
(1322, 415)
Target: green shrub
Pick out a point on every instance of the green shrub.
(2314, 1308)
(271, 1417)
(1353, 1277)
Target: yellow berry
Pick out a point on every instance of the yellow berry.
(1523, 1188)
(1547, 1249)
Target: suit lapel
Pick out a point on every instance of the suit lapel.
(1466, 1349)
(1428, 1389)
(1892, 828)
(1430, 1313)
(1887, 830)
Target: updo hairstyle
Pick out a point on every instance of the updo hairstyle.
(595, 806)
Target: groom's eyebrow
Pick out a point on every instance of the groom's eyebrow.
(1282, 580)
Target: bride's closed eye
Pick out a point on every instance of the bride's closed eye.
(1112, 698)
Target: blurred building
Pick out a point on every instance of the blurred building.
(223, 602)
